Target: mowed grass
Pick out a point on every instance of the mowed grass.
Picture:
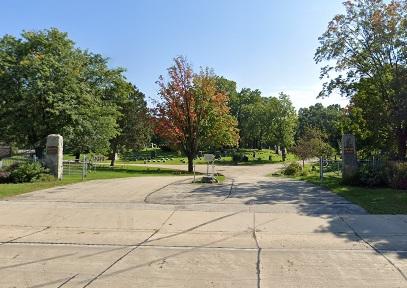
(380, 200)
(172, 158)
(7, 190)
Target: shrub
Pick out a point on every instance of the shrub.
(4, 177)
(239, 157)
(396, 173)
(11, 167)
(27, 172)
(304, 173)
(371, 176)
(294, 168)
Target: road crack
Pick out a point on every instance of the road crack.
(259, 249)
(128, 252)
(375, 249)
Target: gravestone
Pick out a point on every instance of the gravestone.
(349, 160)
(54, 156)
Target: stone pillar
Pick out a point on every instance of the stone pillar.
(349, 161)
(55, 155)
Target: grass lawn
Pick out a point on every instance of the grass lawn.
(374, 200)
(172, 158)
(101, 173)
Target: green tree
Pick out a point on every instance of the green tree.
(134, 122)
(253, 125)
(369, 42)
(284, 122)
(47, 86)
(327, 119)
(313, 143)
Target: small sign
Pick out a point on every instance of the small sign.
(348, 145)
(209, 157)
(52, 150)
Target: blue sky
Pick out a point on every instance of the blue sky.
(263, 44)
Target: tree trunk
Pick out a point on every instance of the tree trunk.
(402, 149)
(113, 156)
(113, 160)
(190, 163)
(77, 156)
(303, 164)
(39, 152)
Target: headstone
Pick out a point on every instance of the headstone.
(349, 160)
(54, 156)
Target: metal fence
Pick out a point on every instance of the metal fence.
(78, 168)
(326, 165)
(23, 157)
(82, 167)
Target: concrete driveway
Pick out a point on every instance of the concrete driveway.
(251, 231)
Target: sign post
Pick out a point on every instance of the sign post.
(210, 159)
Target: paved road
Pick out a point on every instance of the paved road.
(251, 231)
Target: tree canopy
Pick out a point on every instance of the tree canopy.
(328, 119)
(366, 49)
(49, 86)
(193, 112)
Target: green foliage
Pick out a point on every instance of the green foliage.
(239, 157)
(265, 121)
(4, 177)
(313, 143)
(134, 121)
(374, 200)
(27, 172)
(48, 86)
(396, 173)
(328, 120)
(294, 168)
(371, 175)
(366, 49)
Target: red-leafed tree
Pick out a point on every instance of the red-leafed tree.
(193, 114)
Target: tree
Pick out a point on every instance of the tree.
(368, 43)
(327, 119)
(193, 113)
(254, 126)
(285, 121)
(47, 86)
(313, 143)
(134, 121)
(241, 106)
(304, 150)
